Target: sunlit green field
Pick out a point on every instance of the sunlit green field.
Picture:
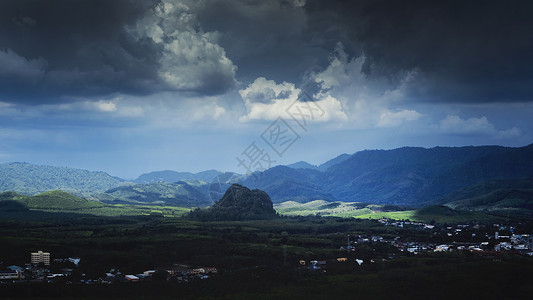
(341, 209)
(323, 208)
(439, 214)
(394, 215)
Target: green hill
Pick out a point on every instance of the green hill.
(11, 206)
(238, 203)
(59, 204)
(180, 193)
(52, 200)
(503, 197)
(444, 214)
(10, 196)
(59, 200)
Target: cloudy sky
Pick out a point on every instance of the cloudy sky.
(131, 86)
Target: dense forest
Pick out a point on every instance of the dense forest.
(32, 179)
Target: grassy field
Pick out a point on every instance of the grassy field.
(438, 214)
(323, 208)
(394, 215)
(110, 210)
(343, 210)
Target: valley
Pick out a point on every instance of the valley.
(260, 259)
(408, 177)
(374, 223)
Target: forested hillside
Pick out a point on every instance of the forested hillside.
(32, 179)
(404, 176)
(174, 176)
(499, 196)
(186, 194)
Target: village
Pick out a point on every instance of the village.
(461, 237)
(43, 269)
(485, 240)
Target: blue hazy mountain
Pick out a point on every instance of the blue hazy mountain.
(302, 165)
(404, 176)
(337, 160)
(282, 183)
(322, 167)
(174, 176)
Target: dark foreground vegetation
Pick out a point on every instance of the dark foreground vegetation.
(260, 259)
(411, 278)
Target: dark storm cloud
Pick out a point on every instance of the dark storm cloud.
(267, 38)
(469, 51)
(73, 48)
(465, 51)
(50, 49)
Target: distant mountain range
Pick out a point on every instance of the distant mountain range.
(181, 193)
(406, 176)
(174, 176)
(32, 179)
(322, 167)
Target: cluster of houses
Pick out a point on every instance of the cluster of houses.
(491, 240)
(11, 273)
(522, 243)
(38, 269)
(401, 224)
(488, 241)
(42, 269)
(313, 264)
(321, 264)
(176, 273)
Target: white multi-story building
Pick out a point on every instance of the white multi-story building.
(40, 257)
